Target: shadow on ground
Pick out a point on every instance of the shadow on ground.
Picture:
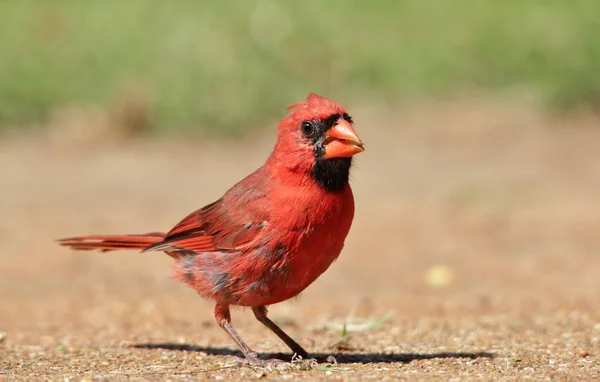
(321, 357)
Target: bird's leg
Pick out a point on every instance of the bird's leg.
(223, 318)
(260, 312)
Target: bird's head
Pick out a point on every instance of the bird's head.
(317, 137)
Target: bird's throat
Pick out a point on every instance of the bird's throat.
(332, 174)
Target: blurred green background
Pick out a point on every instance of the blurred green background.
(230, 66)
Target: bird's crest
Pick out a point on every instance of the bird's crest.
(315, 106)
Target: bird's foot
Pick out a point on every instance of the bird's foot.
(306, 357)
(252, 359)
(301, 356)
(326, 359)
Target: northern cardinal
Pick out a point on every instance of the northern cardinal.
(273, 233)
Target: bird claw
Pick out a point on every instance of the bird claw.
(328, 359)
(298, 357)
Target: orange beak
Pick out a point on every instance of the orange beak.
(342, 141)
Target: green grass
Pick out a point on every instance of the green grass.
(232, 65)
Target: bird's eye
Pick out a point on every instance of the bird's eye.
(308, 129)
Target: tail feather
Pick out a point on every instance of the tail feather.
(107, 243)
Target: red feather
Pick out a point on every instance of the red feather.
(270, 235)
(107, 243)
(225, 225)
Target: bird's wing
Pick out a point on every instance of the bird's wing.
(225, 225)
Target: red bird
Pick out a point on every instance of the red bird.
(273, 233)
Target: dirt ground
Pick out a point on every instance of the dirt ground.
(476, 234)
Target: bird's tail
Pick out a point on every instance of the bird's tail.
(107, 243)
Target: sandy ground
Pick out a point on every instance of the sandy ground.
(476, 229)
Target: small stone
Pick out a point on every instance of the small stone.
(439, 276)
